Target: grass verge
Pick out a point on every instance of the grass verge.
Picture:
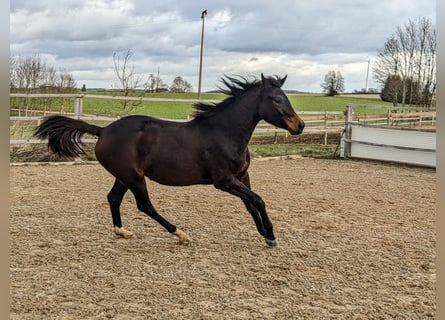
(306, 150)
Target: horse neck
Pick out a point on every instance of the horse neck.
(240, 118)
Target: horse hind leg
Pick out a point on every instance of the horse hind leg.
(140, 192)
(115, 197)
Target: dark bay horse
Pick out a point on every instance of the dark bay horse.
(209, 149)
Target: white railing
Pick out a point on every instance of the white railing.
(390, 142)
(316, 122)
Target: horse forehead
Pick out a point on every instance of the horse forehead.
(274, 91)
(278, 92)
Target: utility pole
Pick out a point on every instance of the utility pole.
(203, 14)
(367, 74)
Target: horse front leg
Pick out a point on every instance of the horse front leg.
(254, 205)
(252, 209)
(115, 197)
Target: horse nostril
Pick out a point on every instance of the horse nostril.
(294, 124)
(301, 127)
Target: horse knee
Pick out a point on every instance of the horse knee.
(259, 203)
(114, 199)
(147, 208)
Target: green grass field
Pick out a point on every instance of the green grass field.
(183, 110)
(308, 150)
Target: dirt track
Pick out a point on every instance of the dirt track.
(356, 241)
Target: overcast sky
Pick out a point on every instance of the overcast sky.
(303, 39)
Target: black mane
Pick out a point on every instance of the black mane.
(234, 88)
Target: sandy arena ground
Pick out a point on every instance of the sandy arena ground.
(356, 241)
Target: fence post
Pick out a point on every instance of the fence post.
(78, 106)
(78, 110)
(348, 122)
(325, 128)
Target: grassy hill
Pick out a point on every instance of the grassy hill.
(182, 110)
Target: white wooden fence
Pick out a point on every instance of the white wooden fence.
(323, 122)
(380, 137)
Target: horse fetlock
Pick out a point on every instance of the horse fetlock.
(183, 237)
(123, 232)
(271, 242)
(262, 231)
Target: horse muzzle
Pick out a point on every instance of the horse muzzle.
(295, 124)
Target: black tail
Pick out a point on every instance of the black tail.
(64, 134)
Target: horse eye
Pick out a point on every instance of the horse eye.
(277, 99)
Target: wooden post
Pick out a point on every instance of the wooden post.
(325, 128)
(78, 106)
(348, 125)
(78, 110)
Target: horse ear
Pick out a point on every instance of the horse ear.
(265, 82)
(283, 80)
(263, 79)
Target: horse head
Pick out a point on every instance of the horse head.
(276, 108)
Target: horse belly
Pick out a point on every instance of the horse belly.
(179, 169)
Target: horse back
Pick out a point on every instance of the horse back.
(168, 152)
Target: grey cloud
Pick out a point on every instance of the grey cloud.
(168, 32)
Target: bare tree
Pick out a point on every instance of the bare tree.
(12, 71)
(155, 83)
(180, 85)
(66, 81)
(51, 77)
(151, 83)
(129, 81)
(410, 56)
(333, 84)
(31, 73)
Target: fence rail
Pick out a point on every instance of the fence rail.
(316, 122)
(390, 142)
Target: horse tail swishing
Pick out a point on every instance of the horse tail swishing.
(64, 134)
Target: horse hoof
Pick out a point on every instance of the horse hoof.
(271, 243)
(183, 237)
(123, 232)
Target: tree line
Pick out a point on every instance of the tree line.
(33, 74)
(133, 84)
(131, 81)
(405, 66)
